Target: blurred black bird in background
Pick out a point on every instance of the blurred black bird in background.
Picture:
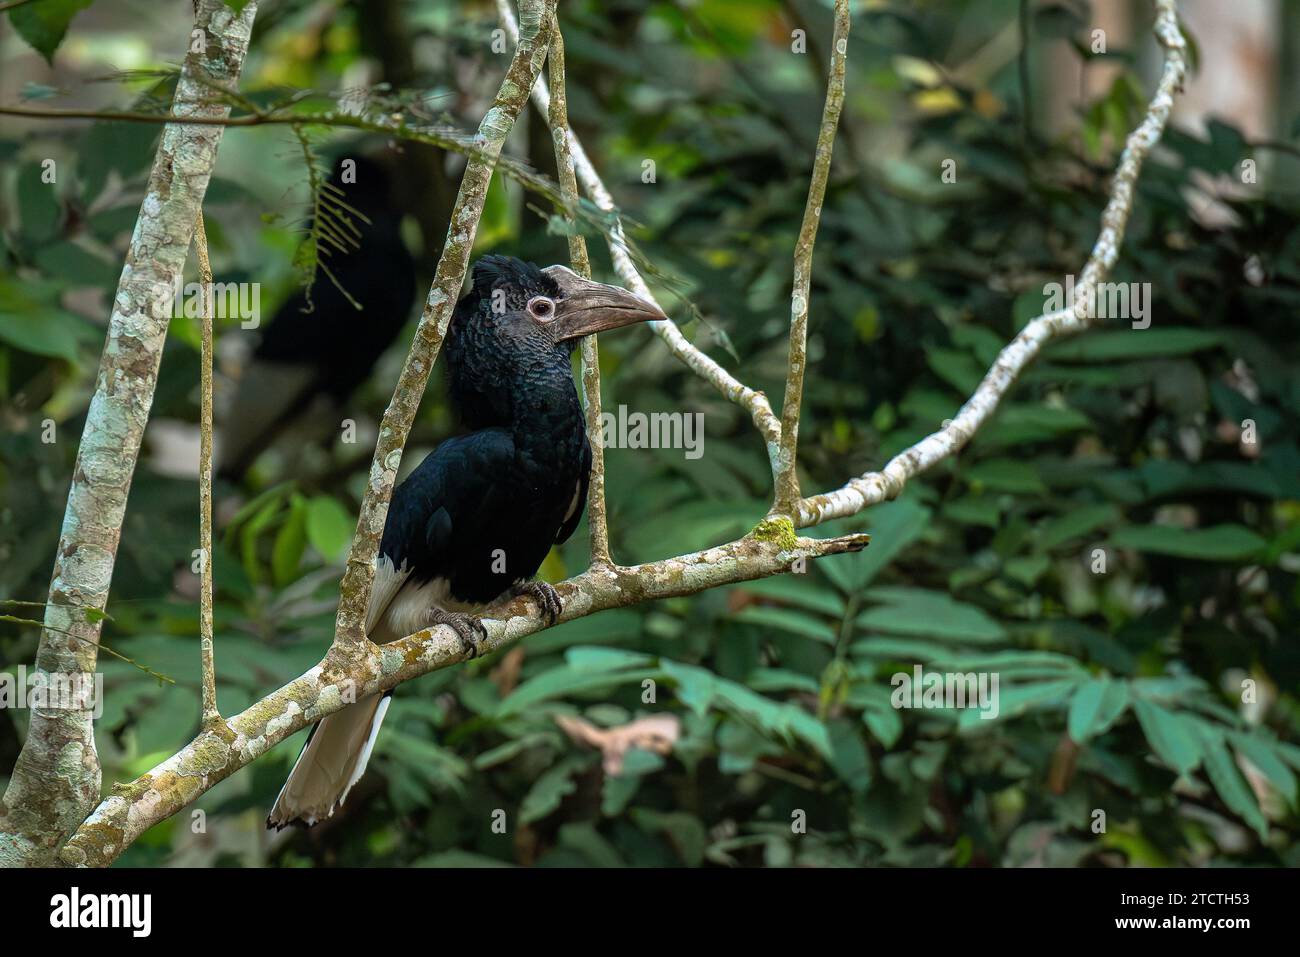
(474, 521)
(315, 352)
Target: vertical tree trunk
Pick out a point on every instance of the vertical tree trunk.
(56, 781)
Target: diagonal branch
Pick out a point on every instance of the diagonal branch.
(733, 389)
(786, 477)
(222, 750)
(875, 487)
(350, 635)
(57, 777)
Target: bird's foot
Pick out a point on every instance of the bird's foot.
(547, 598)
(468, 628)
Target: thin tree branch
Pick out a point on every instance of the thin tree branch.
(786, 476)
(222, 750)
(755, 402)
(392, 125)
(558, 114)
(210, 713)
(879, 486)
(56, 779)
(358, 576)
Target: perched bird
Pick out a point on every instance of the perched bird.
(320, 346)
(474, 521)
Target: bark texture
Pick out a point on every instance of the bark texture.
(56, 780)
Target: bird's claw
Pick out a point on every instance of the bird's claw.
(468, 628)
(547, 598)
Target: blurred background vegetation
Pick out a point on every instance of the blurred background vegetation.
(1121, 691)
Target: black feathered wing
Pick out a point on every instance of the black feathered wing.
(574, 514)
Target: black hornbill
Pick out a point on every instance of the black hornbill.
(474, 521)
(312, 357)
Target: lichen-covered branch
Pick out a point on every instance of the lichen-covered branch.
(210, 713)
(876, 487)
(785, 474)
(57, 776)
(752, 400)
(538, 19)
(558, 115)
(221, 750)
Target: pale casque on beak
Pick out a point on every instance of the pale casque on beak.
(585, 307)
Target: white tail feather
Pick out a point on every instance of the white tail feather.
(330, 764)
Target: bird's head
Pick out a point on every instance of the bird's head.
(512, 334)
(522, 306)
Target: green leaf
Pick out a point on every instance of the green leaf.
(1096, 706)
(1017, 664)
(928, 614)
(30, 320)
(1127, 344)
(329, 527)
(583, 838)
(956, 368)
(1006, 475)
(290, 543)
(1074, 524)
(699, 690)
(911, 650)
(885, 726)
(787, 619)
(438, 767)
(800, 590)
(44, 24)
(1014, 701)
(1217, 543)
(1264, 755)
(780, 679)
(882, 719)
(1227, 780)
(595, 658)
(849, 755)
(1172, 736)
(1027, 569)
(975, 510)
(894, 526)
(685, 831)
(1019, 423)
(552, 787)
(563, 681)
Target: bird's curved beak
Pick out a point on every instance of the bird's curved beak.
(585, 307)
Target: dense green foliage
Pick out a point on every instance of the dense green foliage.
(1121, 690)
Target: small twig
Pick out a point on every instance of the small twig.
(210, 713)
(391, 125)
(15, 620)
(98, 615)
(786, 477)
(597, 521)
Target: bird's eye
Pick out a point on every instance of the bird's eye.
(539, 307)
